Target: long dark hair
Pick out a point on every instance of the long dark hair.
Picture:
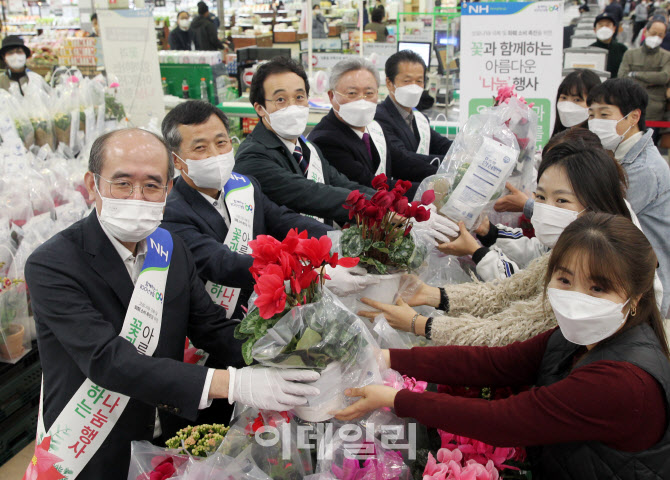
(620, 258)
(597, 179)
(578, 83)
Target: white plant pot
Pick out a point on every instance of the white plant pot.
(385, 290)
(330, 399)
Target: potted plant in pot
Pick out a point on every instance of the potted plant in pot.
(13, 315)
(298, 323)
(382, 235)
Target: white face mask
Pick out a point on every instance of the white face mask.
(184, 23)
(604, 33)
(212, 172)
(584, 319)
(130, 220)
(409, 95)
(653, 42)
(289, 122)
(360, 113)
(16, 61)
(606, 131)
(549, 222)
(571, 114)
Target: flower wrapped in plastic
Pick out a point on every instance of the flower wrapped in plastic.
(323, 335)
(267, 442)
(149, 462)
(22, 125)
(15, 324)
(361, 460)
(474, 171)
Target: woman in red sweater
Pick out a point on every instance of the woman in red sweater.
(602, 379)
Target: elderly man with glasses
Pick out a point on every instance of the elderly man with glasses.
(114, 298)
(349, 137)
(291, 171)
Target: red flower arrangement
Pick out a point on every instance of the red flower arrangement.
(288, 274)
(381, 237)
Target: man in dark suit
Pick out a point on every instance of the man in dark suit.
(411, 140)
(292, 172)
(348, 136)
(114, 298)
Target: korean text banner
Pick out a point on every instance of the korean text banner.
(519, 44)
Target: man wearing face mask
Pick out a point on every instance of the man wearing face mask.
(411, 140)
(14, 54)
(349, 137)
(217, 211)
(292, 171)
(181, 38)
(649, 66)
(617, 114)
(605, 26)
(114, 298)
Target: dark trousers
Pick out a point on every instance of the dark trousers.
(637, 28)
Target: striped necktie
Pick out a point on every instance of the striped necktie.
(302, 161)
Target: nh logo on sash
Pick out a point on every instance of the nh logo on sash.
(478, 8)
(159, 249)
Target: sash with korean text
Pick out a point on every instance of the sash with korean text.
(90, 415)
(377, 136)
(315, 169)
(424, 133)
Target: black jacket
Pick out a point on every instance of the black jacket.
(264, 156)
(180, 40)
(595, 460)
(204, 34)
(202, 228)
(80, 291)
(614, 56)
(402, 143)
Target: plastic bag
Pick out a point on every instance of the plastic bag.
(65, 111)
(346, 460)
(35, 102)
(146, 458)
(22, 123)
(15, 324)
(324, 335)
(267, 441)
(473, 173)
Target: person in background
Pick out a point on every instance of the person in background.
(571, 108)
(366, 18)
(605, 27)
(617, 114)
(14, 54)
(649, 66)
(291, 171)
(181, 38)
(377, 26)
(319, 24)
(94, 24)
(204, 31)
(615, 10)
(602, 379)
(349, 137)
(641, 14)
(413, 144)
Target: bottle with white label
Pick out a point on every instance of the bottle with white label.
(203, 90)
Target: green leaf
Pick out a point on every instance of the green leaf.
(260, 329)
(248, 324)
(239, 335)
(351, 242)
(247, 347)
(376, 264)
(403, 252)
(308, 339)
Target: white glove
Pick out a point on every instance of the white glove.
(345, 281)
(271, 388)
(439, 227)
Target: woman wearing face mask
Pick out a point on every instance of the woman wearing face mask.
(573, 178)
(181, 38)
(14, 54)
(602, 379)
(571, 108)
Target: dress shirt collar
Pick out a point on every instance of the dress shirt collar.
(407, 116)
(220, 205)
(626, 146)
(129, 259)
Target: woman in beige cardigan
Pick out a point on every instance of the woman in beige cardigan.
(572, 176)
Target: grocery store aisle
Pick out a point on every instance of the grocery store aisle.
(16, 467)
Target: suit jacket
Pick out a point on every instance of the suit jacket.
(202, 228)
(402, 143)
(264, 156)
(80, 291)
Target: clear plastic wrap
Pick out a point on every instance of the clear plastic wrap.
(15, 324)
(473, 174)
(22, 124)
(34, 103)
(65, 110)
(146, 458)
(367, 460)
(327, 336)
